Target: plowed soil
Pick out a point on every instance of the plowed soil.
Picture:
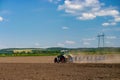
(61, 71)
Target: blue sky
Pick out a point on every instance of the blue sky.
(58, 23)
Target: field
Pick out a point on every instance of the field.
(27, 59)
(108, 58)
(51, 71)
(43, 68)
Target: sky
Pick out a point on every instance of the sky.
(59, 23)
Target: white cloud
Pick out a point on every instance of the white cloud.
(65, 28)
(37, 44)
(79, 6)
(107, 12)
(1, 19)
(86, 43)
(109, 24)
(65, 43)
(111, 29)
(111, 37)
(90, 9)
(113, 23)
(54, 1)
(70, 6)
(60, 44)
(106, 24)
(87, 16)
(117, 19)
(70, 42)
(88, 39)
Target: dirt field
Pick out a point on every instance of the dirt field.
(43, 68)
(51, 71)
(112, 58)
(29, 59)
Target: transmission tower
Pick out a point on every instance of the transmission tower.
(101, 40)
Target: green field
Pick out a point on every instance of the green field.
(24, 54)
(55, 51)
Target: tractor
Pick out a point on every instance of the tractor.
(64, 57)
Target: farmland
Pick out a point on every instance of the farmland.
(108, 58)
(54, 51)
(50, 71)
(88, 65)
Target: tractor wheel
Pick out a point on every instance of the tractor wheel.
(55, 60)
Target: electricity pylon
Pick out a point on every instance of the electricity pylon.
(101, 39)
